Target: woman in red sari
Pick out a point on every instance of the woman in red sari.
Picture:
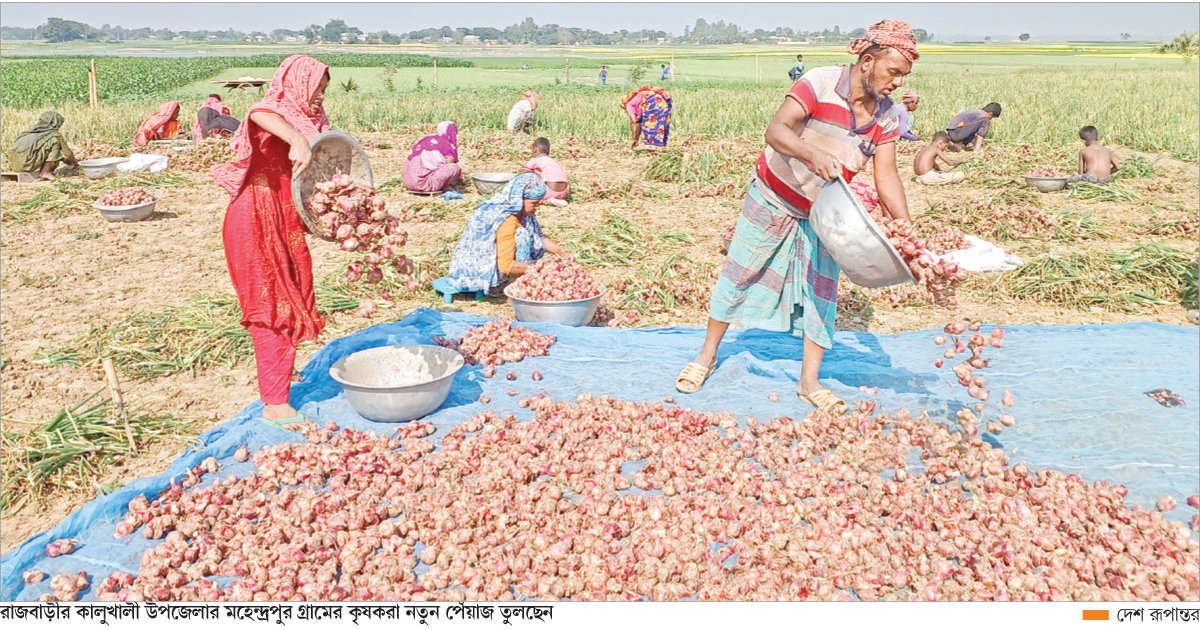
(161, 125)
(265, 249)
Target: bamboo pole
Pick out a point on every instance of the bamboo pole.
(568, 70)
(435, 72)
(756, 75)
(114, 386)
(93, 86)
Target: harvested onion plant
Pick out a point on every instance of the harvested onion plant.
(47, 202)
(679, 283)
(615, 242)
(201, 156)
(197, 334)
(1145, 275)
(67, 452)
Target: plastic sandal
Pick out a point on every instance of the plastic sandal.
(282, 422)
(824, 400)
(694, 374)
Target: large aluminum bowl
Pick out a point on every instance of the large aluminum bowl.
(567, 313)
(1047, 184)
(854, 240)
(333, 152)
(99, 167)
(373, 386)
(489, 183)
(126, 214)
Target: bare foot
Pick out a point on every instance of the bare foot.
(278, 412)
(805, 387)
(46, 177)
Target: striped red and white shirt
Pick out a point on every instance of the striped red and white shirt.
(824, 93)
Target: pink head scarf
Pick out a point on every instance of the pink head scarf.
(532, 97)
(445, 141)
(215, 104)
(893, 34)
(292, 87)
(154, 125)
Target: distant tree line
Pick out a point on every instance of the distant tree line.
(527, 31)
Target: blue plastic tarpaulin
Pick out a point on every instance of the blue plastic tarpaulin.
(1080, 405)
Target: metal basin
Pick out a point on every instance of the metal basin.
(126, 214)
(854, 240)
(1047, 184)
(567, 313)
(100, 167)
(333, 152)
(379, 391)
(489, 183)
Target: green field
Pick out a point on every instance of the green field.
(1048, 91)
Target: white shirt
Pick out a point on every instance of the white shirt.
(518, 113)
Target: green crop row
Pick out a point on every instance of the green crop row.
(38, 81)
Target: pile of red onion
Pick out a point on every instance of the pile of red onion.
(497, 342)
(358, 219)
(728, 230)
(554, 279)
(126, 197)
(824, 509)
(1048, 171)
(956, 335)
(939, 277)
(65, 587)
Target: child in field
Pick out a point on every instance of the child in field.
(1096, 161)
(550, 171)
(929, 170)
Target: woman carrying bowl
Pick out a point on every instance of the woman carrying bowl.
(503, 238)
(265, 249)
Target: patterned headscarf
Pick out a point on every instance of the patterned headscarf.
(473, 263)
(893, 34)
(445, 141)
(292, 87)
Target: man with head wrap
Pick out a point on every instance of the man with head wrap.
(778, 275)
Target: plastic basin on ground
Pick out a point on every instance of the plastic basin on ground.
(489, 183)
(1047, 184)
(126, 214)
(567, 313)
(376, 389)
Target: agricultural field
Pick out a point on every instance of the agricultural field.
(156, 298)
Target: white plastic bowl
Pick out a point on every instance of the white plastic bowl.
(126, 214)
(854, 240)
(489, 183)
(99, 167)
(1047, 184)
(376, 390)
(567, 312)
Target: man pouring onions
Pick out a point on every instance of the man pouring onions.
(778, 276)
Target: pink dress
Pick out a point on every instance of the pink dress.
(550, 171)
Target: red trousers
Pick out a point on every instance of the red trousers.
(275, 357)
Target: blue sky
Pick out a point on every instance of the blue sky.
(949, 20)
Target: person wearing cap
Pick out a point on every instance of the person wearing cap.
(778, 275)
